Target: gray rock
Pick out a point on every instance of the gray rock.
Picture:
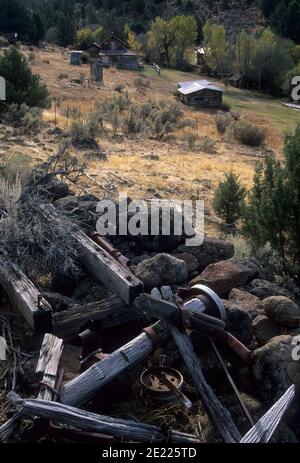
(263, 289)
(246, 301)
(163, 269)
(238, 322)
(211, 251)
(225, 275)
(274, 368)
(191, 261)
(58, 189)
(264, 329)
(282, 310)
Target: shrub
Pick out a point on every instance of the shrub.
(17, 165)
(3, 41)
(229, 198)
(225, 106)
(22, 86)
(81, 133)
(248, 134)
(208, 145)
(223, 121)
(23, 116)
(191, 140)
(141, 83)
(242, 248)
(119, 88)
(131, 122)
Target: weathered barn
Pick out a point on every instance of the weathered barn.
(200, 93)
(115, 52)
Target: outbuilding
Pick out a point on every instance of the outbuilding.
(200, 93)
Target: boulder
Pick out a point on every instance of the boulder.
(192, 263)
(263, 289)
(238, 322)
(246, 301)
(264, 329)
(57, 188)
(274, 368)
(225, 275)
(282, 310)
(211, 251)
(163, 269)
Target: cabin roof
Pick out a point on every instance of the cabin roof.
(112, 36)
(192, 86)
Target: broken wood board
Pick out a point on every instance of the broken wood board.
(83, 388)
(264, 429)
(100, 263)
(111, 311)
(48, 364)
(25, 297)
(87, 421)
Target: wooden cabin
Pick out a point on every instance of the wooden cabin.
(200, 93)
(115, 52)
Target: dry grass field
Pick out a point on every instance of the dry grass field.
(180, 172)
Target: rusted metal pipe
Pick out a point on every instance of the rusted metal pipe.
(107, 246)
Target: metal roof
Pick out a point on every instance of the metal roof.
(191, 86)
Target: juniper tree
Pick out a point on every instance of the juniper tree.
(229, 198)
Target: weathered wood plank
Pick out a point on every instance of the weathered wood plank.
(100, 263)
(219, 416)
(8, 428)
(267, 425)
(48, 364)
(119, 428)
(83, 388)
(25, 297)
(111, 311)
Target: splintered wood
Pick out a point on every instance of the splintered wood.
(48, 365)
(25, 297)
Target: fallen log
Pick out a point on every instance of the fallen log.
(111, 311)
(99, 262)
(83, 388)
(119, 428)
(267, 425)
(25, 297)
(48, 364)
(219, 416)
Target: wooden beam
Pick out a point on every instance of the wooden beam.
(219, 416)
(111, 311)
(267, 425)
(83, 388)
(84, 420)
(48, 364)
(25, 297)
(101, 264)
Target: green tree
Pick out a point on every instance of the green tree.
(66, 29)
(98, 34)
(84, 37)
(271, 60)
(292, 167)
(91, 14)
(229, 198)
(21, 85)
(215, 40)
(162, 36)
(39, 32)
(243, 52)
(185, 28)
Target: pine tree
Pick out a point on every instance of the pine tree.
(21, 85)
(229, 198)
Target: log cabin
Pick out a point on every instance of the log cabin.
(200, 93)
